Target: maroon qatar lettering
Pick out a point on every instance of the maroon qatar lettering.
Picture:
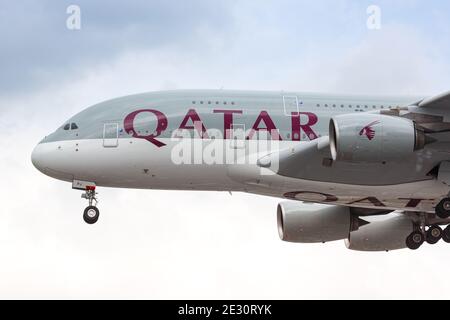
(374, 201)
(298, 127)
(193, 121)
(414, 203)
(228, 121)
(197, 123)
(269, 126)
(326, 197)
(161, 126)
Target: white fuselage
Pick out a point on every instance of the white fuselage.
(153, 159)
(135, 164)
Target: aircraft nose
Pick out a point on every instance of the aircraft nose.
(52, 161)
(37, 158)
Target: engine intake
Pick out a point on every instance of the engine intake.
(374, 138)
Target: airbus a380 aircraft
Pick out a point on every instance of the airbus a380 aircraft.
(357, 156)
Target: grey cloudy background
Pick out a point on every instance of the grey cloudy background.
(159, 244)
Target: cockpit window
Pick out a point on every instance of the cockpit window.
(73, 126)
(66, 126)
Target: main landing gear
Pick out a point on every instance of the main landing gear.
(443, 209)
(415, 240)
(431, 235)
(434, 232)
(91, 213)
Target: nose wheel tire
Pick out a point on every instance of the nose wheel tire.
(443, 209)
(415, 240)
(434, 234)
(91, 215)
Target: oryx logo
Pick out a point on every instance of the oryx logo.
(368, 130)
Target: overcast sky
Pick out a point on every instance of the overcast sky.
(159, 244)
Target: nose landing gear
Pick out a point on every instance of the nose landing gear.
(91, 213)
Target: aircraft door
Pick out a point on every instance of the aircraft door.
(110, 135)
(290, 105)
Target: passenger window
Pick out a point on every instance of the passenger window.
(73, 126)
(67, 126)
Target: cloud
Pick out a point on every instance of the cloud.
(398, 60)
(37, 47)
(38, 50)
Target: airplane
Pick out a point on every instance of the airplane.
(336, 160)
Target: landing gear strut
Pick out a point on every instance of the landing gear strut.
(91, 213)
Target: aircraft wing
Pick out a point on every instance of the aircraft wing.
(439, 101)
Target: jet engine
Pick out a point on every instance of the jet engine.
(385, 235)
(310, 223)
(374, 138)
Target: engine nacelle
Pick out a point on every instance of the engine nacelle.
(308, 223)
(385, 235)
(373, 138)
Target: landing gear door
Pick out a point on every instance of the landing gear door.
(110, 135)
